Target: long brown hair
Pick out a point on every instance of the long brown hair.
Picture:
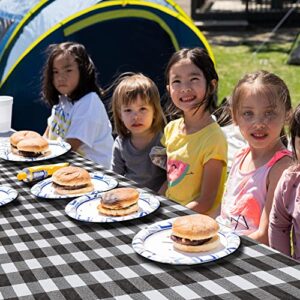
(87, 82)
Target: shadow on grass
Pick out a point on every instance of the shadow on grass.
(270, 48)
(277, 41)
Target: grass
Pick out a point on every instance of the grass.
(233, 62)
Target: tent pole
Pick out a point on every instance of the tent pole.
(275, 29)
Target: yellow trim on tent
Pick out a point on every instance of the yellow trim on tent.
(170, 2)
(25, 52)
(178, 8)
(183, 18)
(193, 27)
(179, 15)
(20, 25)
(121, 14)
(186, 21)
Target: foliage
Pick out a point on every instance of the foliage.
(233, 62)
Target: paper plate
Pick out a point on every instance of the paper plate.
(85, 208)
(7, 194)
(56, 148)
(154, 243)
(101, 182)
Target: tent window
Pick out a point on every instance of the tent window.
(5, 24)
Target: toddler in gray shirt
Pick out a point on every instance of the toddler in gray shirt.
(138, 122)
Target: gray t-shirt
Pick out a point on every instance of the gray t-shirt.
(136, 164)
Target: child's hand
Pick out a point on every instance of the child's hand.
(75, 143)
(46, 133)
(162, 190)
(158, 156)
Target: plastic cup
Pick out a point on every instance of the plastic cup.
(6, 103)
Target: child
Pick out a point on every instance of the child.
(139, 121)
(78, 115)
(232, 132)
(260, 105)
(195, 145)
(284, 227)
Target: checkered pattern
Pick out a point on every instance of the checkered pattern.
(46, 255)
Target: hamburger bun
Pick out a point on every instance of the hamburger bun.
(18, 136)
(195, 233)
(32, 147)
(119, 202)
(72, 180)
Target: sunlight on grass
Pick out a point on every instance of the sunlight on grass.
(233, 62)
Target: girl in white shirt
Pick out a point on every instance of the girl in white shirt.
(78, 115)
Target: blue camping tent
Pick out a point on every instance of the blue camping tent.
(120, 36)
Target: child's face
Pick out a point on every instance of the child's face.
(259, 121)
(297, 148)
(137, 116)
(65, 74)
(187, 85)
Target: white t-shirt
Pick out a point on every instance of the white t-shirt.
(235, 142)
(87, 121)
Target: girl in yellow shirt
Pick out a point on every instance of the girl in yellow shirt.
(195, 144)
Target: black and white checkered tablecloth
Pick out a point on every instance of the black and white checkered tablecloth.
(46, 255)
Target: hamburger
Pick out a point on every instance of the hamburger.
(18, 136)
(32, 147)
(195, 233)
(71, 181)
(119, 202)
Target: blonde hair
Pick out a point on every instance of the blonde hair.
(127, 91)
(264, 84)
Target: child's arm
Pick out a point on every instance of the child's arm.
(280, 220)
(46, 133)
(163, 188)
(261, 235)
(117, 163)
(75, 143)
(212, 174)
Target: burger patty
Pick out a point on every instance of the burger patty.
(29, 154)
(117, 208)
(188, 242)
(69, 187)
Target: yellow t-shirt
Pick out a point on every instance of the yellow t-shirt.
(187, 155)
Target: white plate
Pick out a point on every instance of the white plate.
(154, 243)
(102, 183)
(7, 194)
(85, 208)
(56, 148)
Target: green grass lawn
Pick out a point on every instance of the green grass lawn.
(233, 62)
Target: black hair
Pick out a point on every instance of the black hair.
(87, 72)
(200, 58)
